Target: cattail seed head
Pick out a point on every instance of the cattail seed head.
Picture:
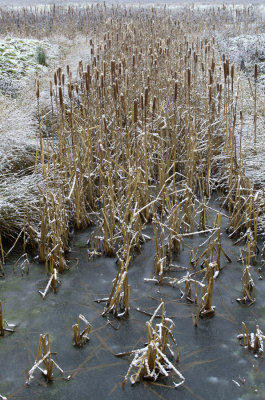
(59, 74)
(112, 67)
(61, 96)
(123, 104)
(135, 111)
(69, 91)
(146, 96)
(87, 81)
(51, 89)
(189, 78)
(37, 89)
(210, 77)
(175, 91)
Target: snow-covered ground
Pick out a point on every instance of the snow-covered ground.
(19, 57)
(246, 50)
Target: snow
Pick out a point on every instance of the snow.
(18, 57)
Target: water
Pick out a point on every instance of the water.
(210, 355)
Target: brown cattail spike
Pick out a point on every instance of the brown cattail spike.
(51, 90)
(61, 96)
(146, 96)
(176, 91)
(135, 111)
(37, 89)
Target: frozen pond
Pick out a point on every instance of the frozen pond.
(211, 359)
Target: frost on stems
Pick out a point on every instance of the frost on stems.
(4, 325)
(151, 361)
(118, 300)
(247, 282)
(253, 341)
(44, 361)
(53, 284)
(81, 335)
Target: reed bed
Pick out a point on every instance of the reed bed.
(145, 132)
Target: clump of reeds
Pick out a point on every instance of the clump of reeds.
(214, 249)
(81, 336)
(23, 264)
(247, 283)
(151, 362)
(44, 361)
(205, 308)
(118, 300)
(253, 341)
(4, 325)
(189, 279)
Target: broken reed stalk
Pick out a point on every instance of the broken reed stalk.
(4, 325)
(118, 301)
(247, 281)
(205, 308)
(53, 284)
(44, 356)
(81, 336)
(253, 341)
(151, 362)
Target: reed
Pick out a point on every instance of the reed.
(118, 300)
(247, 281)
(53, 284)
(4, 325)
(151, 361)
(252, 341)
(81, 336)
(44, 362)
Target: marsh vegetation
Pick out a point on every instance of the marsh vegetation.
(143, 143)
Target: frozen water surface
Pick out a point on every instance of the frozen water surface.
(211, 359)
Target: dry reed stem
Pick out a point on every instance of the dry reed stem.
(253, 341)
(152, 361)
(44, 357)
(4, 325)
(81, 337)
